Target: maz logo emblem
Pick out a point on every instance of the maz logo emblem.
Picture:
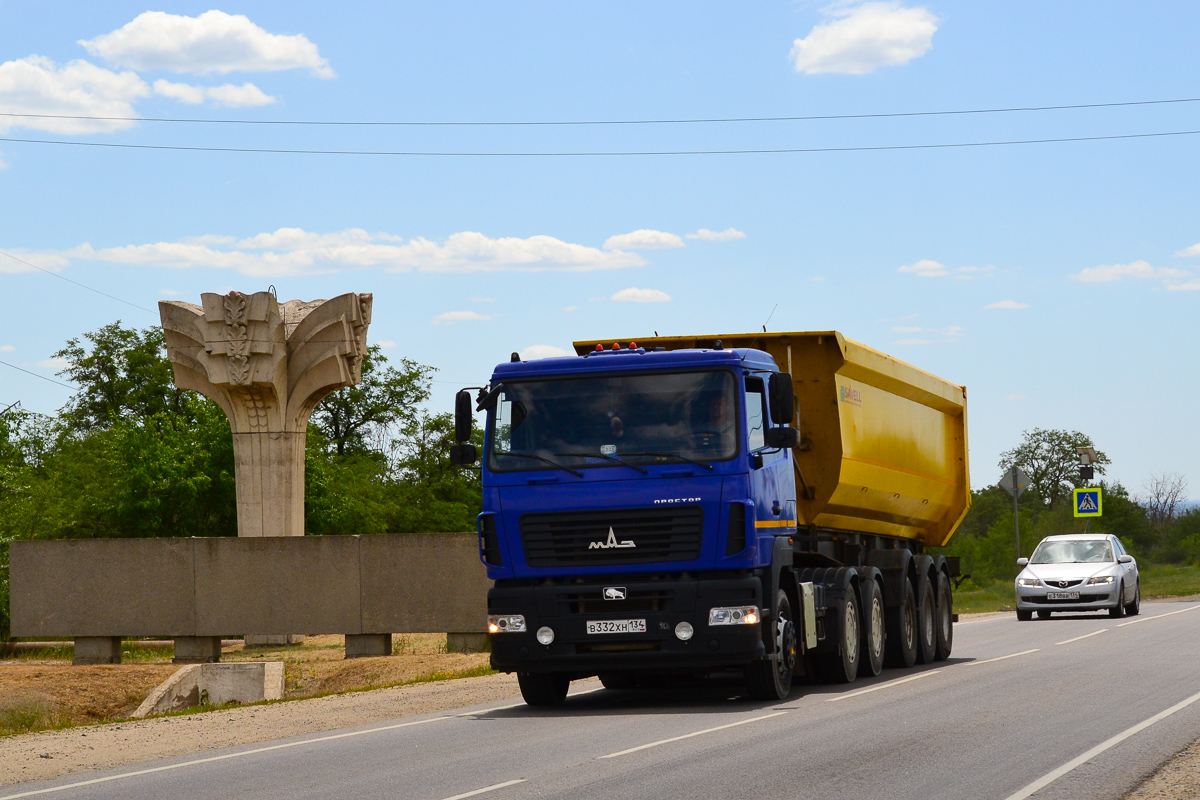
(611, 542)
(614, 592)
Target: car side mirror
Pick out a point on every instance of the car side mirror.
(1022, 562)
(782, 437)
(462, 416)
(463, 455)
(1125, 559)
(782, 397)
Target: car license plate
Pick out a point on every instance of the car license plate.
(1062, 595)
(616, 626)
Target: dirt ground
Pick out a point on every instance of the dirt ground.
(1178, 779)
(47, 691)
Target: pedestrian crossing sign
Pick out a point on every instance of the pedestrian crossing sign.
(1088, 502)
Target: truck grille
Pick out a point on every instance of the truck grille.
(576, 538)
(591, 601)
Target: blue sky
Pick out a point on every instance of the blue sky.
(1059, 282)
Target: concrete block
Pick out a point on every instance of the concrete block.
(97, 650)
(467, 643)
(215, 684)
(103, 587)
(360, 645)
(273, 639)
(275, 584)
(197, 649)
(423, 583)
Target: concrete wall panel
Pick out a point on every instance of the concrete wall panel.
(423, 583)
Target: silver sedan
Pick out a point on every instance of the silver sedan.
(1080, 572)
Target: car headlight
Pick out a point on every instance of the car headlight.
(1100, 579)
(1028, 582)
(509, 623)
(737, 615)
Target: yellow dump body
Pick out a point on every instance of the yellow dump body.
(883, 444)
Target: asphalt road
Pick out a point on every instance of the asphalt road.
(1071, 707)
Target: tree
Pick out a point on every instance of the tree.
(384, 398)
(122, 374)
(1048, 457)
(1163, 496)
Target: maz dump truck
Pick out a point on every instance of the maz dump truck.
(693, 505)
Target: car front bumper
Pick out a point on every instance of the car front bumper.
(1091, 598)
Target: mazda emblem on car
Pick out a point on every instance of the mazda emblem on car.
(614, 592)
(611, 542)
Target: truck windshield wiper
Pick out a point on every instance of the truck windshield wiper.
(613, 459)
(673, 455)
(544, 460)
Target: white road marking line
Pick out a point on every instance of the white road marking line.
(1158, 616)
(685, 736)
(973, 621)
(486, 789)
(211, 759)
(971, 663)
(1051, 777)
(1086, 635)
(882, 686)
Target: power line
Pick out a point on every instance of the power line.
(77, 283)
(34, 374)
(601, 153)
(548, 123)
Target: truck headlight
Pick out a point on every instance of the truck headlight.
(507, 623)
(1100, 579)
(735, 615)
(1028, 582)
(683, 631)
(545, 635)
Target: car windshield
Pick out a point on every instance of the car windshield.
(1073, 552)
(605, 422)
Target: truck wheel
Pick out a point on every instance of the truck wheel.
(901, 650)
(870, 662)
(543, 688)
(945, 620)
(771, 679)
(842, 666)
(1118, 610)
(618, 681)
(1024, 616)
(1135, 607)
(927, 625)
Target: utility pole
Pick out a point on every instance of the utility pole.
(1015, 482)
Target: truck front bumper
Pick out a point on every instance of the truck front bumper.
(567, 606)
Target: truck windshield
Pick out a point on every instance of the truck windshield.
(592, 422)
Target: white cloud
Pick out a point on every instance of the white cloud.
(37, 85)
(635, 295)
(860, 39)
(48, 261)
(386, 344)
(482, 299)
(1014, 397)
(817, 279)
(1107, 273)
(716, 236)
(170, 293)
(571, 308)
(643, 239)
(1189, 286)
(212, 42)
(544, 351)
(458, 316)
(7, 348)
(966, 272)
(227, 95)
(55, 364)
(1007, 304)
(294, 251)
(925, 268)
(1194, 250)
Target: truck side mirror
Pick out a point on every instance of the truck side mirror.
(782, 437)
(462, 416)
(783, 400)
(463, 455)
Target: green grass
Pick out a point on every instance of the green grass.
(1158, 580)
(30, 713)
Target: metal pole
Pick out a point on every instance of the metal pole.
(1016, 509)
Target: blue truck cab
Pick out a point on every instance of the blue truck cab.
(638, 506)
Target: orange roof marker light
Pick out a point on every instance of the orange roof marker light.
(616, 346)
(633, 345)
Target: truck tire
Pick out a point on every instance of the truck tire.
(870, 661)
(543, 688)
(901, 650)
(1118, 611)
(927, 624)
(1135, 607)
(771, 678)
(842, 666)
(945, 619)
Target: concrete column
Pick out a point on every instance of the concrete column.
(361, 645)
(467, 643)
(97, 650)
(197, 649)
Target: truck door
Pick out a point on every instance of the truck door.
(771, 482)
